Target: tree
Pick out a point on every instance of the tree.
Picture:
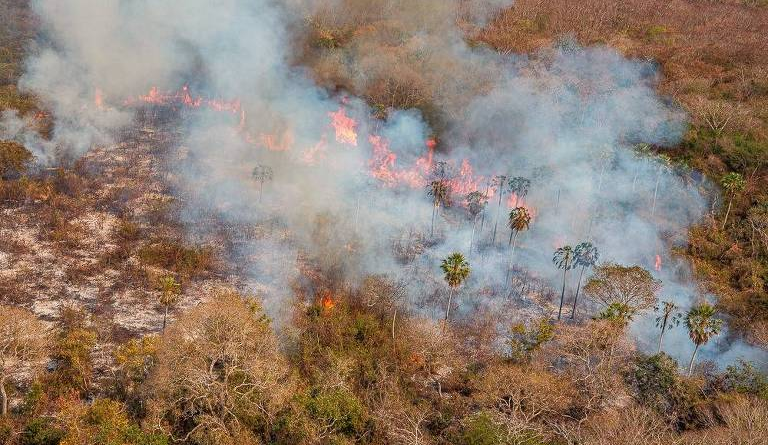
(519, 186)
(667, 319)
(499, 181)
(519, 220)
(702, 325)
(585, 255)
(24, 341)
(170, 293)
(382, 291)
(218, 369)
(629, 287)
(456, 270)
(732, 183)
(262, 174)
(563, 259)
(476, 202)
(439, 190)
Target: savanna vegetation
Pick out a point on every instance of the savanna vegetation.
(354, 364)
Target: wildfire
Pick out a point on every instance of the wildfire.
(98, 98)
(657, 263)
(344, 126)
(326, 300)
(514, 201)
(184, 97)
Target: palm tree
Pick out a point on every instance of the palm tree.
(732, 182)
(666, 319)
(664, 164)
(701, 326)
(519, 220)
(170, 291)
(585, 255)
(456, 270)
(440, 191)
(262, 174)
(563, 259)
(499, 181)
(519, 186)
(476, 202)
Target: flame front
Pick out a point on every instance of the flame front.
(657, 263)
(344, 126)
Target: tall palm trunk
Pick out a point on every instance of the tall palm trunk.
(357, 211)
(576, 298)
(448, 309)
(656, 192)
(165, 317)
(496, 222)
(261, 189)
(693, 357)
(511, 257)
(434, 211)
(727, 212)
(663, 329)
(472, 238)
(562, 295)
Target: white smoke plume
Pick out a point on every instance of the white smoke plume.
(567, 119)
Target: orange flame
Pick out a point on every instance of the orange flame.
(344, 126)
(98, 98)
(657, 264)
(326, 300)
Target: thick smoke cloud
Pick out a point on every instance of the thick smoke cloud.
(566, 119)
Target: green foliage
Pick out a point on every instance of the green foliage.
(745, 379)
(338, 407)
(109, 425)
(176, 257)
(480, 429)
(617, 312)
(525, 340)
(455, 268)
(701, 323)
(40, 431)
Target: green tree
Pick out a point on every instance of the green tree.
(563, 259)
(667, 319)
(456, 270)
(170, 293)
(261, 174)
(702, 325)
(732, 183)
(585, 255)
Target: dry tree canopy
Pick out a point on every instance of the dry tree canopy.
(630, 286)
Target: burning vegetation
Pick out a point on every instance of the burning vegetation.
(336, 222)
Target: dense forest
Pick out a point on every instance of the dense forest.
(398, 222)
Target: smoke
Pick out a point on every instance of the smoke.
(568, 119)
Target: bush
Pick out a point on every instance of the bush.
(173, 256)
(745, 379)
(13, 158)
(337, 407)
(41, 432)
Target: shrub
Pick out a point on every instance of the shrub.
(13, 158)
(40, 431)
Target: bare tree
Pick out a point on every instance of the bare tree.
(217, 366)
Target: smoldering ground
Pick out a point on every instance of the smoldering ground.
(570, 119)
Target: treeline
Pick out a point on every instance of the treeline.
(347, 372)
